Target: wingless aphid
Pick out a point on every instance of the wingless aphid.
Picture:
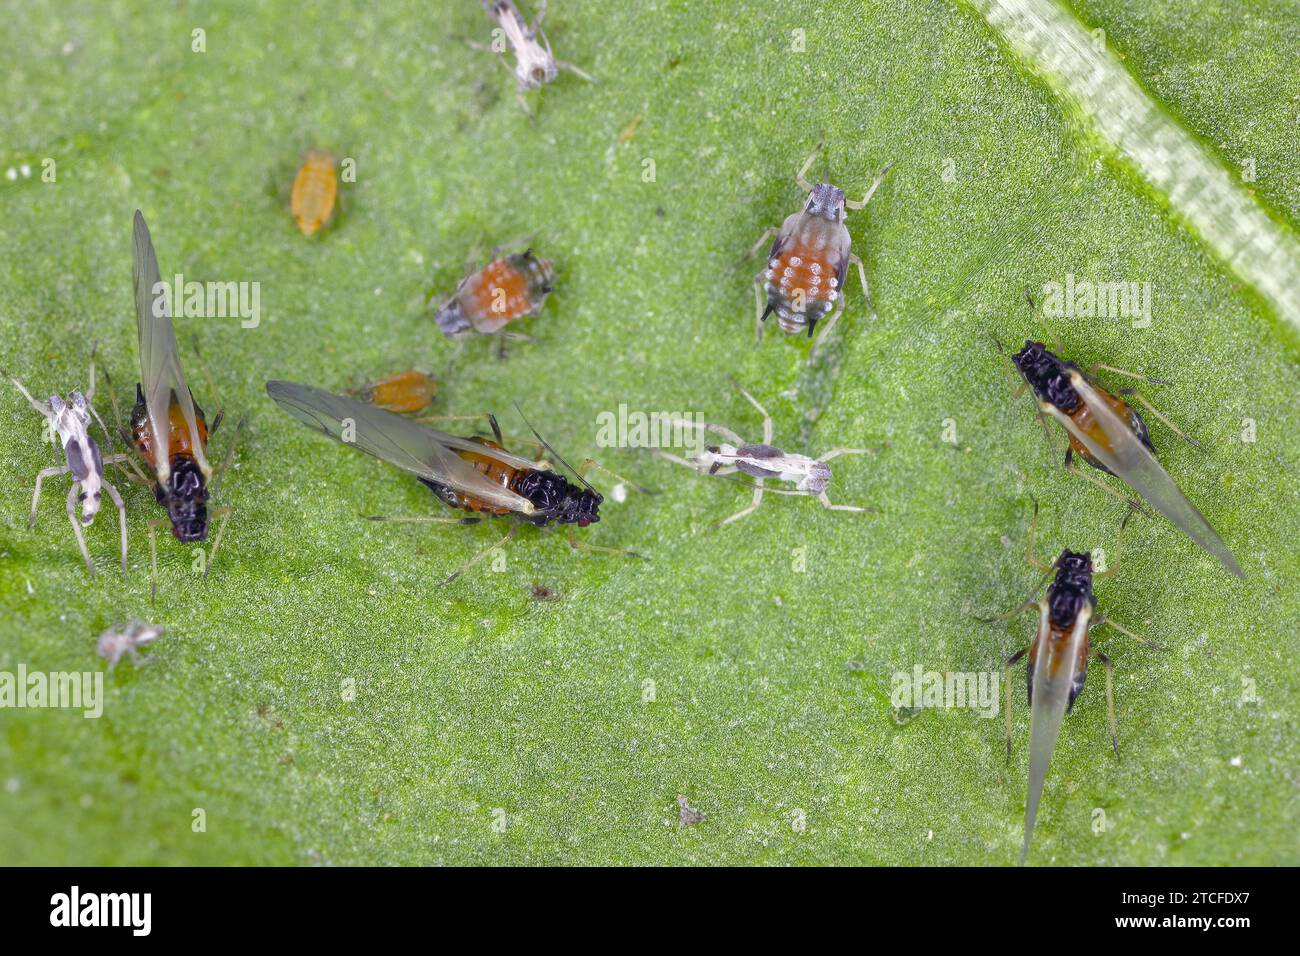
(1109, 434)
(763, 462)
(473, 474)
(168, 428)
(402, 392)
(315, 192)
(70, 420)
(507, 288)
(808, 262)
(1058, 659)
(535, 65)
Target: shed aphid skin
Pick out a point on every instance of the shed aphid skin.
(406, 393)
(808, 262)
(70, 420)
(113, 645)
(315, 192)
(169, 431)
(763, 462)
(1109, 434)
(508, 288)
(535, 65)
(477, 475)
(1058, 658)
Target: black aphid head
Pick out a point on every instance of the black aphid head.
(1072, 589)
(826, 202)
(1047, 375)
(186, 498)
(557, 500)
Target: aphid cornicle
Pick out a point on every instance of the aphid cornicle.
(1058, 659)
(402, 392)
(70, 421)
(315, 192)
(1110, 434)
(475, 474)
(168, 429)
(508, 288)
(808, 262)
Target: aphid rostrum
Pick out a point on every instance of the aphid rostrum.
(315, 192)
(508, 288)
(168, 429)
(535, 65)
(477, 475)
(406, 392)
(113, 645)
(1058, 659)
(70, 421)
(808, 261)
(762, 461)
(1109, 434)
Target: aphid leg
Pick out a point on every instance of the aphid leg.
(481, 555)
(36, 496)
(216, 542)
(760, 300)
(826, 329)
(230, 456)
(1164, 418)
(153, 561)
(577, 545)
(1074, 469)
(1012, 661)
(563, 65)
(763, 240)
(722, 430)
(135, 473)
(592, 463)
(41, 407)
(121, 520)
(1104, 619)
(826, 503)
(520, 242)
(753, 506)
(1092, 374)
(836, 452)
(767, 419)
(212, 387)
(1110, 698)
(76, 527)
(1029, 552)
(875, 183)
(422, 519)
(803, 170)
(1009, 615)
(862, 277)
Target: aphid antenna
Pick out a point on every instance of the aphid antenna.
(549, 449)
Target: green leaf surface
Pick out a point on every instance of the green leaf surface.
(771, 644)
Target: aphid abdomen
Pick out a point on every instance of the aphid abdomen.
(403, 392)
(505, 289)
(1087, 422)
(179, 443)
(494, 471)
(315, 190)
(805, 272)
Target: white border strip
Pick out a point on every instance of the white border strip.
(1259, 250)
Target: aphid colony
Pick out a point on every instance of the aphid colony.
(802, 284)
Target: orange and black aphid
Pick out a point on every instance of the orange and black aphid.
(1110, 434)
(808, 262)
(402, 392)
(1058, 658)
(169, 431)
(507, 288)
(315, 192)
(475, 474)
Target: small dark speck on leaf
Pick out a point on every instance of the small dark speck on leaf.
(687, 815)
(660, 212)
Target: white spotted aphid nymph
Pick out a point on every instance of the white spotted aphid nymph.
(808, 262)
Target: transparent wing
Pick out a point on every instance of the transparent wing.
(160, 363)
(1054, 673)
(399, 441)
(1133, 462)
